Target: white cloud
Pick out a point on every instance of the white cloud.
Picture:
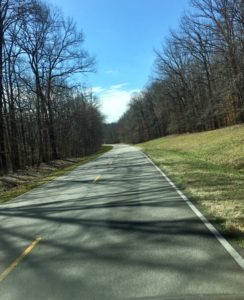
(97, 89)
(114, 100)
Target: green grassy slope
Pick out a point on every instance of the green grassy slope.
(209, 168)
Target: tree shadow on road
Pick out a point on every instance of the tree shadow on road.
(125, 224)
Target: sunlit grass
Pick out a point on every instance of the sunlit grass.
(209, 168)
(23, 188)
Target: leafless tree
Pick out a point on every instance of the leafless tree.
(40, 52)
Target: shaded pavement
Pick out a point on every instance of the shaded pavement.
(112, 229)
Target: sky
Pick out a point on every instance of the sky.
(122, 35)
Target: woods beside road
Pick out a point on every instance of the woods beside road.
(47, 116)
(198, 79)
(45, 112)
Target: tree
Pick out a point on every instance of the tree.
(41, 51)
(199, 72)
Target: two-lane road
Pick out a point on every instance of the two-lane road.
(112, 229)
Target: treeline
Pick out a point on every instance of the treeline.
(42, 115)
(199, 81)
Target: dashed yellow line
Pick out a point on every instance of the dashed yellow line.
(16, 262)
(97, 178)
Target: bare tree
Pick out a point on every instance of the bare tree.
(40, 51)
(199, 82)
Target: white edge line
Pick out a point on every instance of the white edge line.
(235, 255)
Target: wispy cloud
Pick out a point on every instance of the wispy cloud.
(114, 100)
(97, 89)
(112, 72)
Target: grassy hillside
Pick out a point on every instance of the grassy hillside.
(209, 168)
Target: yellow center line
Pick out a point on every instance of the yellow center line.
(97, 178)
(16, 262)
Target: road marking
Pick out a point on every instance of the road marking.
(97, 178)
(235, 255)
(16, 262)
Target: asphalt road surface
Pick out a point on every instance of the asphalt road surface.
(111, 229)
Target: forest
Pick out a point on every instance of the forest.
(198, 81)
(45, 114)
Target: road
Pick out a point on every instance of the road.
(111, 229)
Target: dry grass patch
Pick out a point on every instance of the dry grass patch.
(209, 167)
(22, 181)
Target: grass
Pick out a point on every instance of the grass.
(209, 168)
(7, 195)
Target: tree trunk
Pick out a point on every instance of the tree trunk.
(50, 123)
(3, 159)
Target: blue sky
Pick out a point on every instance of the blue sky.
(122, 35)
